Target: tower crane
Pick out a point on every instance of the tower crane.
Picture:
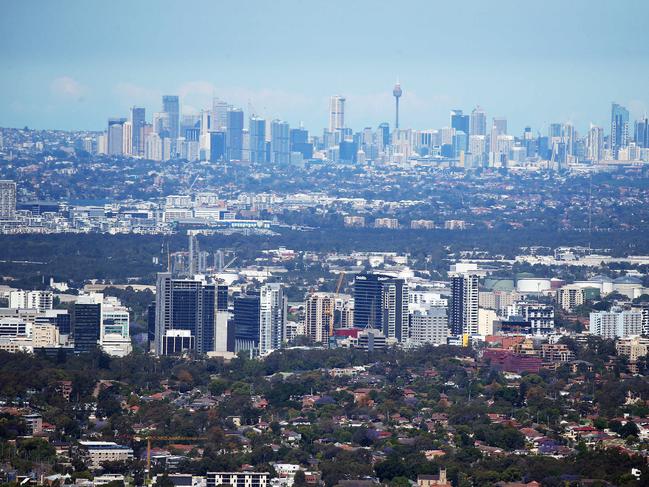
(150, 439)
(339, 284)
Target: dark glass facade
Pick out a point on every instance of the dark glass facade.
(86, 321)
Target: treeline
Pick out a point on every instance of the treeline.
(32, 259)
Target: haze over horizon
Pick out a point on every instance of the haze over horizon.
(73, 64)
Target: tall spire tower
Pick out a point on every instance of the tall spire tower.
(397, 92)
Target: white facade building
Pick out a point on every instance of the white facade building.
(616, 324)
(272, 318)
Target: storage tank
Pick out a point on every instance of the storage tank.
(533, 285)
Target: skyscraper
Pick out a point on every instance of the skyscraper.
(381, 302)
(299, 142)
(463, 312)
(127, 138)
(641, 133)
(272, 318)
(336, 113)
(619, 128)
(138, 120)
(191, 305)
(397, 92)
(246, 322)
(234, 134)
(460, 122)
(219, 114)
(279, 142)
(595, 143)
(383, 134)
(478, 122)
(194, 251)
(171, 105)
(555, 130)
(257, 130)
(116, 136)
(7, 200)
(319, 316)
(86, 324)
(217, 146)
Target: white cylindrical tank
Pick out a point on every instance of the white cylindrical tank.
(533, 285)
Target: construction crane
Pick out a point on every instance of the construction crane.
(149, 439)
(339, 285)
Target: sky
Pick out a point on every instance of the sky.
(71, 64)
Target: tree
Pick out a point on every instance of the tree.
(164, 481)
(299, 479)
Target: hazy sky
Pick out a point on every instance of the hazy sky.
(72, 64)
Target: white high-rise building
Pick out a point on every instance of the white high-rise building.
(219, 115)
(478, 122)
(477, 144)
(429, 325)
(102, 144)
(616, 324)
(336, 113)
(272, 318)
(153, 147)
(7, 200)
(38, 300)
(127, 138)
(595, 143)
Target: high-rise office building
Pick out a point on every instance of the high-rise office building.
(217, 146)
(641, 133)
(171, 106)
(619, 128)
(555, 130)
(161, 124)
(138, 121)
(383, 134)
(460, 143)
(219, 115)
(279, 142)
(86, 324)
(116, 136)
(460, 122)
(381, 302)
(336, 113)
(498, 127)
(299, 142)
(478, 122)
(257, 131)
(272, 317)
(7, 200)
(192, 305)
(246, 322)
(463, 312)
(234, 134)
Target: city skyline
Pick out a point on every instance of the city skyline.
(64, 82)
